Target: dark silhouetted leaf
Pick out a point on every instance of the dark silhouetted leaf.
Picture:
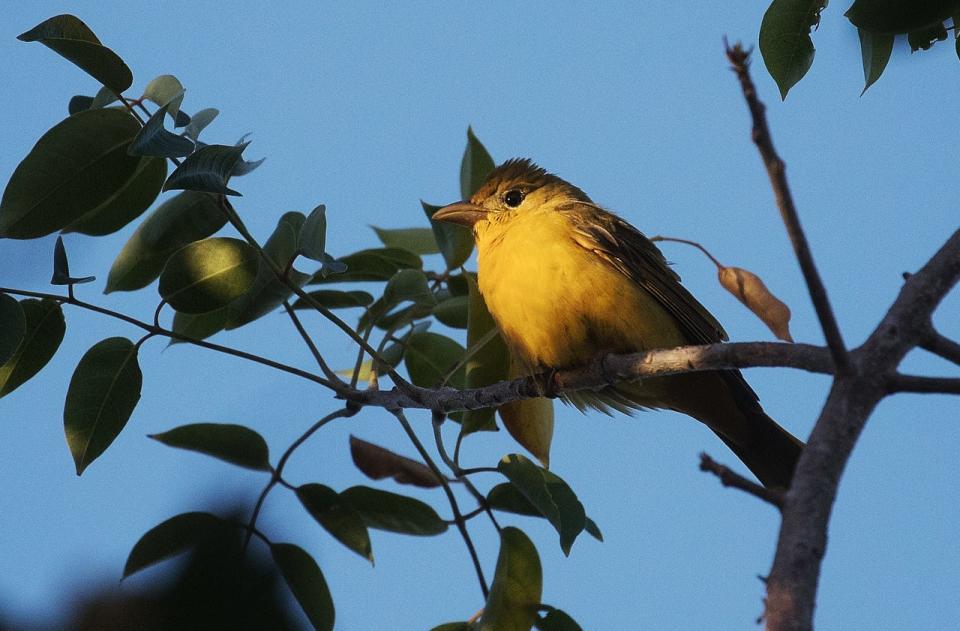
(167, 91)
(73, 169)
(208, 274)
(179, 221)
(13, 327)
(785, 40)
(475, 166)
(925, 38)
(549, 494)
(154, 140)
(312, 240)
(517, 585)
(557, 620)
(61, 267)
(199, 326)
(43, 332)
(337, 517)
(897, 16)
(235, 444)
(372, 265)
(488, 364)
(305, 580)
(408, 284)
(455, 242)
(207, 169)
(333, 299)
(453, 312)
(79, 103)
(127, 203)
(393, 512)
(507, 497)
(875, 48)
(103, 392)
(379, 463)
(175, 535)
(245, 167)
(104, 97)
(453, 626)
(72, 39)
(430, 356)
(417, 240)
(199, 122)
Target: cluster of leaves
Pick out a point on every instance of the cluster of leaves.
(788, 51)
(104, 166)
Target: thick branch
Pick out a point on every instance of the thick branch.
(914, 383)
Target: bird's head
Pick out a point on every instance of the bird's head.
(516, 186)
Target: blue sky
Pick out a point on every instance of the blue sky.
(364, 107)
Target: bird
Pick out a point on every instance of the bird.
(568, 281)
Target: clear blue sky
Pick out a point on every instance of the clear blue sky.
(364, 107)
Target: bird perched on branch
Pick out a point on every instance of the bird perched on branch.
(567, 281)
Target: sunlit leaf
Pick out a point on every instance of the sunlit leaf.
(393, 512)
(13, 327)
(154, 140)
(530, 422)
(167, 91)
(173, 536)
(517, 585)
(199, 122)
(103, 392)
(377, 264)
(333, 299)
(875, 48)
(305, 580)
(127, 203)
(785, 42)
(72, 39)
(180, 220)
(455, 242)
(235, 444)
(74, 168)
(379, 463)
(475, 166)
(208, 274)
(417, 240)
(430, 356)
(43, 332)
(337, 517)
(207, 169)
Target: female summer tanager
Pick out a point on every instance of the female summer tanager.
(567, 281)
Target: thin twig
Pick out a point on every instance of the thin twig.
(329, 372)
(694, 244)
(460, 475)
(776, 169)
(729, 477)
(941, 346)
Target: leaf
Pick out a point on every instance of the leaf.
(312, 240)
(170, 538)
(13, 327)
(517, 585)
(408, 285)
(487, 365)
(199, 122)
(154, 140)
(557, 620)
(475, 166)
(332, 299)
(179, 221)
(417, 240)
(305, 580)
(453, 626)
(925, 38)
(507, 497)
(166, 91)
(207, 169)
(896, 16)
(379, 463)
(61, 267)
(104, 97)
(72, 39)
(235, 444)
(199, 326)
(103, 392)
(455, 242)
(43, 332)
(875, 48)
(245, 166)
(530, 422)
(377, 264)
(74, 168)
(337, 517)
(430, 356)
(393, 512)
(208, 274)
(785, 40)
(127, 203)
(750, 290)
(453, 312)
(79, 103)
(549, 494)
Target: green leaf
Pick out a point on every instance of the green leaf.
(517, 585)
(312, 240)
(13, 327)
(305, 580)
(207, 169)
(455, 242)
(79, 103)
(408, 285)
(179, 221)
(337, 517)
(453, 626)
(417, 240)
(43, 332)
(897, 16)
(103, 392)
(332, 299)
(377, 264)
(925, 38)
(393, 512)
(199, 326)
(875, 48)
(235, 444)
(73, 169)
(172, 537)
(430, 356)
(61, 267)
(549, 494)
(127, 203)
(208, 274)
(785, 40)
(199, 122)
(488, 364)
(154, 140)
(72, 39)
(475, 166)
(507, 497)
(453, 312)
(557, 620)
(104, 97)
(167, 91)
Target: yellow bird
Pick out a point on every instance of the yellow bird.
(567, 281)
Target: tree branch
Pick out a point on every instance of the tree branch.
(729, 477)
(914, 383)
(941, 346)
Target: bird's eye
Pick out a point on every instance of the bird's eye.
(513, 197)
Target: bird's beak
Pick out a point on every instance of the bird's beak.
(463, 213)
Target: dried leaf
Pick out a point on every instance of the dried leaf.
(750, 290)
(379, 463)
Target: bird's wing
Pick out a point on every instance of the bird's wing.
(634, 255)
